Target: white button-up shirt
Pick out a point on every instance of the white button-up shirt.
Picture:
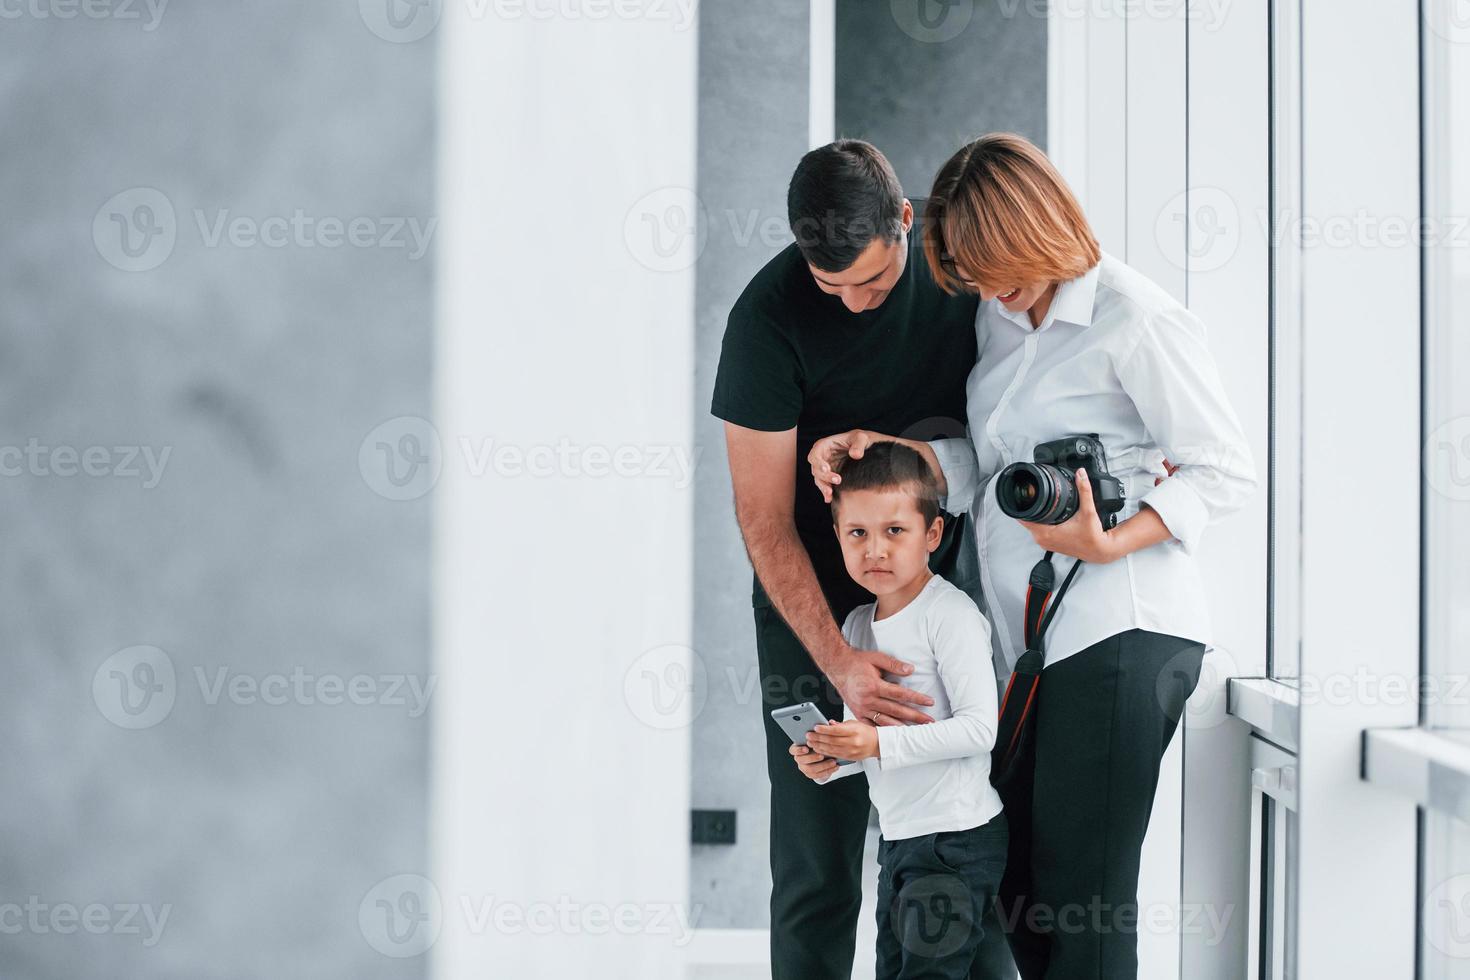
(1118, 356)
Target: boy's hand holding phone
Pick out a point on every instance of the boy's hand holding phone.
(830, 741)
(812, 765)
(855, 740)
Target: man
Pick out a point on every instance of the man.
(843, 329)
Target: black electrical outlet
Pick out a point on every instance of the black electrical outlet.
(714, 826)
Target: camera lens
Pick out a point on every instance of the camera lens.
(1023, 491)
(1036, 492)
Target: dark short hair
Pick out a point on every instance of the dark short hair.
(889, 466)
(842, 196)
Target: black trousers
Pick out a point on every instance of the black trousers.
(933, 893)
(1104, 716)
(817, 833)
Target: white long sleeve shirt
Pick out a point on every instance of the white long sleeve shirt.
(935, 776)
(1118, 356)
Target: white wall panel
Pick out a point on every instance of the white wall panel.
(1155, 178)
(567, 244)
(1229, 289)
(1360, 578)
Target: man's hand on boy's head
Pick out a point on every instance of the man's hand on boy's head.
(826, 453)
(853, 740)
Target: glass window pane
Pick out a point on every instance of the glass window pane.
(1444, 912)
(1447, 364)
(1284, 573)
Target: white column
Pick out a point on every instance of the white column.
(1105, 96)
(1158, 113)
(1229, 289)
(1360, 573)
(1155, 178)
(1066, 104)
(563, 521)
(822, 55)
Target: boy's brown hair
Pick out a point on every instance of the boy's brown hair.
(889, 466)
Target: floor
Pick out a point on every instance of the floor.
(867, 935)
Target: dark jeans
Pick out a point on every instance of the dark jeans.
(817, 833)
(933, 895)
(1104, 716)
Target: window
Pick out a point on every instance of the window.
(1445, 875)
(1284, 576)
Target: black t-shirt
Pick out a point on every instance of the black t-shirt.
(795, 356)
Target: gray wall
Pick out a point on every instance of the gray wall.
(920, 89)
(918, 100)
(753, 80)
(264, 548)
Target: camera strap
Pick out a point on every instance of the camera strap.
(1038, 599)
(1020, 696)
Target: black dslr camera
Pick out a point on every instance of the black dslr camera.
(1045, 491)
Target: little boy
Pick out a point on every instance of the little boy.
(944, 837)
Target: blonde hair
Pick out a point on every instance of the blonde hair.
(1002, 213)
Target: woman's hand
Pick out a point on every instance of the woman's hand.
(852, 740)
(813, 766)
(1081, 536)
(825, 454)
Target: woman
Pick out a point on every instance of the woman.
(1072, 341)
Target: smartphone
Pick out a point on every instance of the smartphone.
(798, 719)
